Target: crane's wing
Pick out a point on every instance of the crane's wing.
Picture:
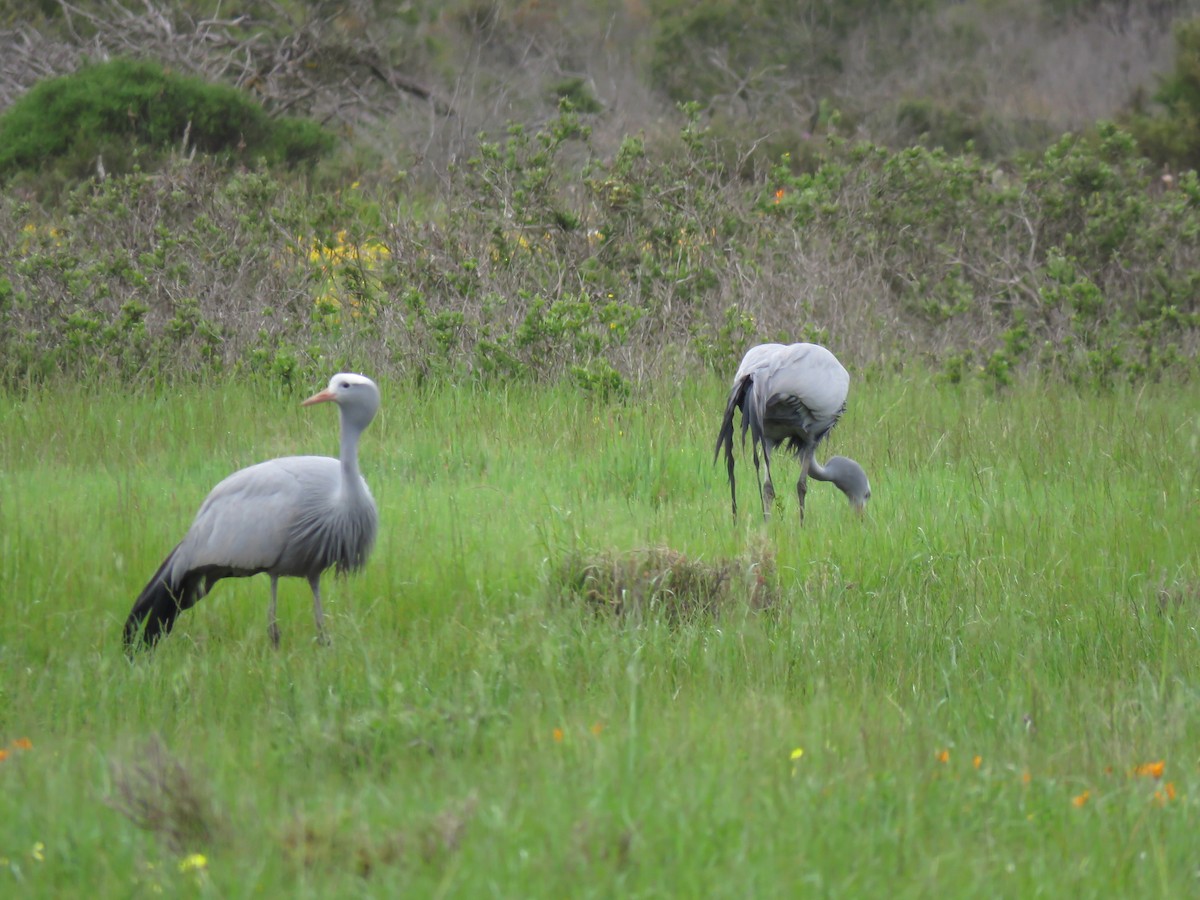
(247, 522)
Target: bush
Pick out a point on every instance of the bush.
(112, 109)
(1172, 135)
(549, 261)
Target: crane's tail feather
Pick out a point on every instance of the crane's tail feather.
(160, 603)
(725, 435)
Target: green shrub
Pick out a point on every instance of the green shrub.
(1172, 134)
(111, 109)
(549, 260)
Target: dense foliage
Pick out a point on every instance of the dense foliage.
(154, 233)
(110, 113)
(548, 261)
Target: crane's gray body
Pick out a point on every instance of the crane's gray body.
(294, 516)
(798, 390)
(791, 395)
(289, 516)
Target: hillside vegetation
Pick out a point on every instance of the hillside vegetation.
(546, 228)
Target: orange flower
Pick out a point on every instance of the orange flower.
(977, 761)
(779, 195)
(23, 744)
(597, 727)
(558, 735)
(1165, 794)
(1150, 769)
(3, 755)
(1026, 777)
(1081, 799)
(943, 756)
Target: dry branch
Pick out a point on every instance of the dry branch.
(308, 68)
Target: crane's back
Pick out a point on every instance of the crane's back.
(290, 516)
(802, 389)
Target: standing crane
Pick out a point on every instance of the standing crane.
(791, 395)
(292, 516)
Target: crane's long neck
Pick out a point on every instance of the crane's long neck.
(818, 471)
(351, 432)
(846, 474)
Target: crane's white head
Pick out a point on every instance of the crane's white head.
(357, 395)
(850, 477)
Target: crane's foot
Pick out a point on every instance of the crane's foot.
(273, 633)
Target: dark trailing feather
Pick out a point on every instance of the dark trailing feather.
(156, 608)
(725, 435)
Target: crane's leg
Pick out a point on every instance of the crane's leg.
(802, 484)
(768, 487)
(272, 625)
(314, 582)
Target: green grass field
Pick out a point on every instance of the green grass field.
(974, 672)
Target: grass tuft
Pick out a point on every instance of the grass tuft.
(662, 581)
(323, 845)
(161, 795)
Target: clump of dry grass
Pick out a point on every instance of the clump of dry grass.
(662, 581)
(159, 794)
(1177, 596)
(314, 844)
(599, 842)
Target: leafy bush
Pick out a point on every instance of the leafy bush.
(551, 261)
(1173, 135)
(109, 109)
(1052, 261)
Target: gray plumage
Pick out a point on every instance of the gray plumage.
(293, 516)
(791, 395)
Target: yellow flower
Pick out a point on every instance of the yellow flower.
(977, 761)
(1150, 769)
(597, 728)
(797, 753)
(193, 862)
(943, 756)
(1081, 799)
(558, 735)
(39, 852)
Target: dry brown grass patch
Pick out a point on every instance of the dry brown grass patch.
(314, 844)
(159, 794)
(662, 581)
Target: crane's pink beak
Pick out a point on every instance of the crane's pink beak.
(320, 397)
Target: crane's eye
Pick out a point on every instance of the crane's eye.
(346, 384)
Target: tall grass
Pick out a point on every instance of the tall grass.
(973, 672)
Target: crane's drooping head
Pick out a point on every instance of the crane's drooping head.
(357, 395)
(850, 477)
